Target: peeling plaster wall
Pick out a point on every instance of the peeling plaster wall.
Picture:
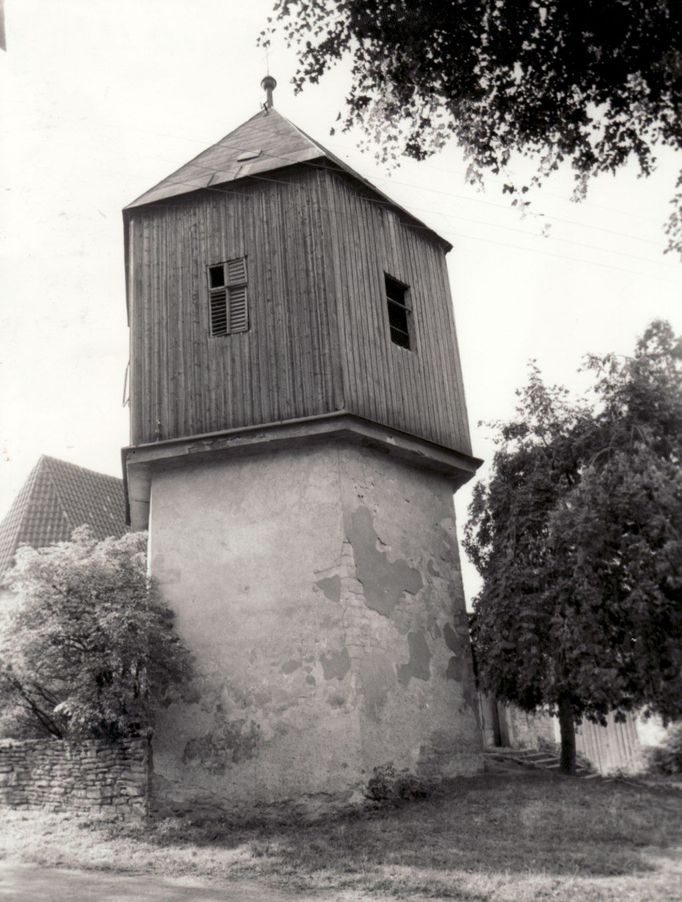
(409, 636)
(320, 592)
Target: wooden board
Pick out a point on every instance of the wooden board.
(317, 245)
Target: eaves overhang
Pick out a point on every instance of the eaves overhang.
(140, 462)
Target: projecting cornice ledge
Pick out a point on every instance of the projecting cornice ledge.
(140, 461)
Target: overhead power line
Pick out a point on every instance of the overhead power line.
(582, 260)
(289, 160)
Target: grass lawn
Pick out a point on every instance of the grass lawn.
(535, 836)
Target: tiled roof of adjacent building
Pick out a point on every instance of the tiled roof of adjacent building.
(57, 498)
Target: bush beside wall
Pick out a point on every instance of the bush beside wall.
(85, 777)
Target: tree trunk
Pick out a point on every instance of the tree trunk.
(567, 727)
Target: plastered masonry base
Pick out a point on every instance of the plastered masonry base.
(319, 589)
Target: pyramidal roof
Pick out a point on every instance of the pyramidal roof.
(57, 498)
(263, 143)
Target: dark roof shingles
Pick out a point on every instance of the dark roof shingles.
(275, 142)
(56, 498)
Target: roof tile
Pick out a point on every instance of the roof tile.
(57, 498)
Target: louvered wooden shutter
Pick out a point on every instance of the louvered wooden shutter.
(229, 301)
(236, 271)
(237, 295)
(218, 301)
(239, 319)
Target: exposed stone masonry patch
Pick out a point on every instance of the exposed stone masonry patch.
(419, 663)
(231, 742)
(84, 777)
(384, 580)
(336, 664)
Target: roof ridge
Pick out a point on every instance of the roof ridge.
(69, 463)
(195, 157)
(261, 113)
(25, 497)
(277, 143)
(57, 497)
(23, 503)
(350, 170)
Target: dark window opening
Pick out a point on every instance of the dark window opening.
(399, 313)
(216, 275)
(228, 297)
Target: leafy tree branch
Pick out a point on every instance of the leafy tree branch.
(590, 84)
(577, 536)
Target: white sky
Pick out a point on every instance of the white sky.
(102, 98)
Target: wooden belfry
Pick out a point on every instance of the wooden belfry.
(298, 427)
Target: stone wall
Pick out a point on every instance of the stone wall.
(88, 776)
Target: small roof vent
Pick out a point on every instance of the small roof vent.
(248, 155)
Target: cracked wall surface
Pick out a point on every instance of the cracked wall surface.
(319, 589)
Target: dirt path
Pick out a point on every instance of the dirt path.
(29, 883)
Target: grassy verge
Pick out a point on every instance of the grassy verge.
(487, 838)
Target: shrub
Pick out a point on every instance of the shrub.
(667, 757)
(390, 786)
(88, 649)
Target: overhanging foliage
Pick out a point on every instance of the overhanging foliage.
(594, 83)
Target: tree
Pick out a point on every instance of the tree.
(88, 649)
(590, 82)
(578, 539)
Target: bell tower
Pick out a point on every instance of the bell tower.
(298, 428)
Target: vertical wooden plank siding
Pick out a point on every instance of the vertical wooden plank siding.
(286, 365)
(317, 246)
(613, 747)
(418, 391)
(135, 411)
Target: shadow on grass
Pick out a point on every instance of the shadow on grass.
(535, 824)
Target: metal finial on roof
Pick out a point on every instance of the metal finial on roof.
(268, 84)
